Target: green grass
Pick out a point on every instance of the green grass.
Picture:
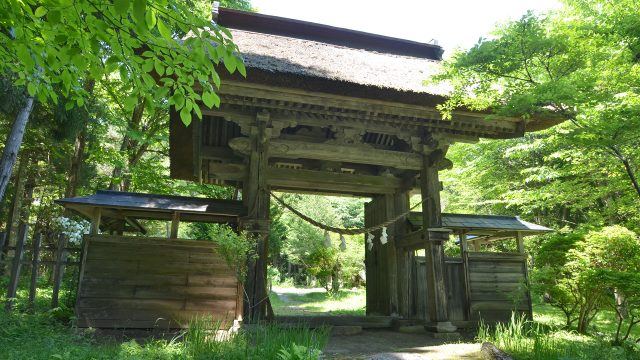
(604, 323)
(41, 333)
(40, 336)
(539, 341)
(345, 302)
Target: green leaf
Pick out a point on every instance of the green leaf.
(148, 65)
(54, 16)
(185, 115)
(198, 111)
(32, 89)
(40, 11)
(139, 9)
(177, 100)
(130, 102)
(164, 30)
(210, 99)
(150, 19)
(158, 66)
(241, 69)
(121, 6)
(230, 62)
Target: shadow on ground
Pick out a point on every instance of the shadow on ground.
(391, 345)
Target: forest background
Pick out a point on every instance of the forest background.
(580, 64)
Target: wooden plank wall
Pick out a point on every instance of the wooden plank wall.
(457, 307)
(497, 286)
(133, 282)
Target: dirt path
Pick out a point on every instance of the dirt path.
(292, 305)
(391, 345)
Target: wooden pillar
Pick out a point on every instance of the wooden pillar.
(520, 242)
(464, 252)
(401, 203)
(391, 254)
(434, 249)
(175, 224)
(95, 221)
(256, 198)
(525, 269)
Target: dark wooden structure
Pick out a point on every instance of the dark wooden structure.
(143, 282)
(335, 111)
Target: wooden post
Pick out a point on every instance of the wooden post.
(175, 224)
(35, 264)
(392, 260)
(401, 200)
(525, 268)
(520, 242)
(58, 270)
(434, 249)
(465, 271)
(256, 197)
(15, 268)
(95, 221)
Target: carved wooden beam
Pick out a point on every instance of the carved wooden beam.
(403, 129)
(356, 154)
(313, 180)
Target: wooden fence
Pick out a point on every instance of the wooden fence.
(31, 254)
(479, 285)
(135, 282)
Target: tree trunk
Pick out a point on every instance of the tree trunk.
(12, 145)
(76, 162)
(77, 157)
(119, 181)
(627, 167)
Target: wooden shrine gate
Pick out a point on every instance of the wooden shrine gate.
(332, 111)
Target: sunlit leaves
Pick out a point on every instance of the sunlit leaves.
(156, 47)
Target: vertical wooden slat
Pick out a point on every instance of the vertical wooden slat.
(15, 268)
(58, 271)
(465, 269)
(35, 264)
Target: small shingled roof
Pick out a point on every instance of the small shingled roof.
(494, 226)
(121, 206)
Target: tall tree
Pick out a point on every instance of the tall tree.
(51, 46)
(579, 65)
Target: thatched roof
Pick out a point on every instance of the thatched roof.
(313, 59)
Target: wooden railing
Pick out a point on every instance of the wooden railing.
(30, 254)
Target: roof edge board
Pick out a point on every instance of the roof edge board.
(276, 25)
